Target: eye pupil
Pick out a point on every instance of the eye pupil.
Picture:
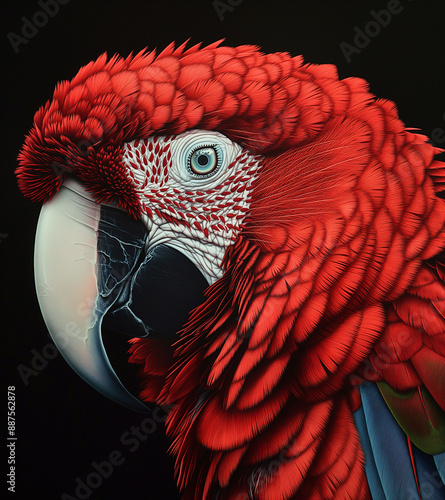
(204, 161)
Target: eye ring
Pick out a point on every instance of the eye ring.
(204, 160)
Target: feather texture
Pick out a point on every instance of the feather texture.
(391, 469)
(333, 278)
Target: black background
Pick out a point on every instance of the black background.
(63, 425)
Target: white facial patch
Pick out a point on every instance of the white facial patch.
(195, 191)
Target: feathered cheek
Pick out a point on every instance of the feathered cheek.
(109, 179)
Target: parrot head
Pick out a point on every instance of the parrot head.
(146, 168)
(245, 218)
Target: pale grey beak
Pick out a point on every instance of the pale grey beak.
(67, 288)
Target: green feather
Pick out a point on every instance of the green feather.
(418, 414)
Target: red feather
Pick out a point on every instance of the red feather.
(327, 279)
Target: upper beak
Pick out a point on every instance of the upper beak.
(90, 260)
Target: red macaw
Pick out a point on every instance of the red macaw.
(271, 237)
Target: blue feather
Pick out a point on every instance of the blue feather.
(388, 465)
(430, 482)
(385, 445)
(372, 475)
(440, 463)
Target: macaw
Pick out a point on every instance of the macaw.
(269, 237)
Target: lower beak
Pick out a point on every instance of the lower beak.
(90, 266)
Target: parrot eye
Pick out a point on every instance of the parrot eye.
(203, 161)
(201, 158)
